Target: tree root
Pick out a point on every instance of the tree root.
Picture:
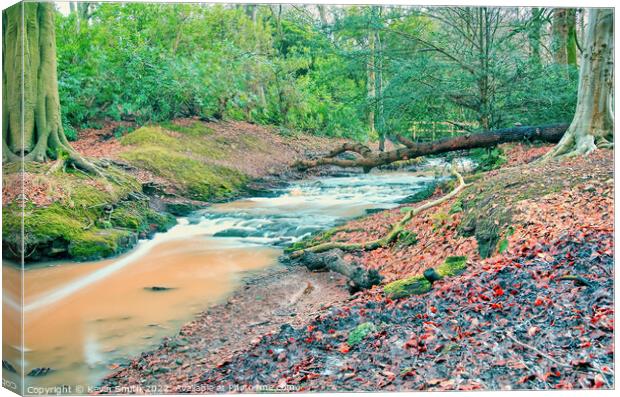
(572, 146)
(394, 232)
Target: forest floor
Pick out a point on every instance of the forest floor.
(533, 309)
(158, 170)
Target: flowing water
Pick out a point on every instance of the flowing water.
(82, 319)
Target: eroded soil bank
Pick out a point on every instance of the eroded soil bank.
(533, 310)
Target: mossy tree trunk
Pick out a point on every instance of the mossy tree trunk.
(32, 127)
(536, 23)
(560, 36)
(593, 121)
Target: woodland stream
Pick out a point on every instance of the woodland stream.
(83, 318)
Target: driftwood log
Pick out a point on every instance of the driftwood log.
(359, 278)
(368, 159)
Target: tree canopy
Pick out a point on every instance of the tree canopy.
(310, 68)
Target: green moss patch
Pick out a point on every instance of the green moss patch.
(187, 159)
(94, 218)
(452, 266)
(407, 238)
(415, 285)
(201, 181)
(360, 332)
(97, 244)
(150, 136)
(195, 129)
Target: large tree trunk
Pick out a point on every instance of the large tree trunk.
(369, 160)
(593, 120)
(32, 132)
(564, 43)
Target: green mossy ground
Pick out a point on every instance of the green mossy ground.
(185, 160)
(94, 218)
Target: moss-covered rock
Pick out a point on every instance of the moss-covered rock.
(97, 244)
(93, 218)
(452, 266)
(415, 285)
(360, 332)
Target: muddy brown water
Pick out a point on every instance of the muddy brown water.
(82, 319)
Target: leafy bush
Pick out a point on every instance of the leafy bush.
(488, 158)
(149, 63)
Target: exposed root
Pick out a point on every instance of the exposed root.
(394, 232)
(58, 164)
(571, 146)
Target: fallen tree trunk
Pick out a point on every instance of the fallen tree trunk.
(359, 278)
(368, 160)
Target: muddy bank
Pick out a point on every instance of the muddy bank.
(266, 302)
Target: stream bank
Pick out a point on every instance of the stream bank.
(87, 318)
(157, 172)
(546, 286)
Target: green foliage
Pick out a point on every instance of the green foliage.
(488, 158)
(149, 63)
